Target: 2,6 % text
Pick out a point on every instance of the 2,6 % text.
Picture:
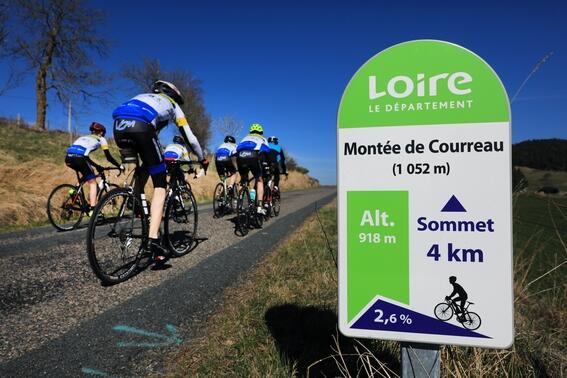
(392, 319)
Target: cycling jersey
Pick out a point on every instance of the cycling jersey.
(277, 150)
(253, 142)
(225, 159)
(176, 151)
(87, 144)
(225, 150)
(157, 110)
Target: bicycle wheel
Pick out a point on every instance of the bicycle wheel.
(276, 203)
(65, 207)
(242, 220)
(181, 220)
(472, 321)
(219, 201)
(117, 232)
(443, 311)
(256, 219)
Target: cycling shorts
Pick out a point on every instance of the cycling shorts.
(249, 161)
(142, 138)
(80, 164)
(226, 165)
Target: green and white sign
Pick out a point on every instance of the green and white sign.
(424, 199)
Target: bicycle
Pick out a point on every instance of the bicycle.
(224, 200)
(118, 229)
(67, 203)
(445, 310)
(272, 198)
(246, 213)
(181, 215)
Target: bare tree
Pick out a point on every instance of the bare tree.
(13, 77)
(229, 125)
(142, 77)
(57, 39)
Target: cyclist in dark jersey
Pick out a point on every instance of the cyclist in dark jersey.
(137, 123)
(461, 297)
(277, 159)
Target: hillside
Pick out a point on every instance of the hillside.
(32, 164)
(544, 154)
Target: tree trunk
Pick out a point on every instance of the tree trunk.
(41, 96)
(41, 79)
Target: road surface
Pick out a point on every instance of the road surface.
(59, 321)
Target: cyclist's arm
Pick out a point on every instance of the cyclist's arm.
(283, 162)
(91, 162)
(104, 146)
(186, 133)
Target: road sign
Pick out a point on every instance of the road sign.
(424, 199)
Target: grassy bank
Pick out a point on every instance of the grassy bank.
(282, 320)
(32, 164)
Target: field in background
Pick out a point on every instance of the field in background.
(282, 320)
(538, 179)
(32, 164)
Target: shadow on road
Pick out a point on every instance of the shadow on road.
(306, 337)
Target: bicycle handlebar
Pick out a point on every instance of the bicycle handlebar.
(100, 171)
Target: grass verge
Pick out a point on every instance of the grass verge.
(282, 320)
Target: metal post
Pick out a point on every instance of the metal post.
(420, 360)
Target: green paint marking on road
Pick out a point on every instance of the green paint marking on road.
(97, 373)
(167, 340)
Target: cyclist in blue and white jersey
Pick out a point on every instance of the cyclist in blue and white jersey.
(252, 157)
(176, 150)
(277, 160)
(137, 123)
(78, 157)
(225, 160)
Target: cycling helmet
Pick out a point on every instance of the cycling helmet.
(273, 140)
(178, 139)
(97, 128)
(256, 128)
(229, 139)
(168, 89)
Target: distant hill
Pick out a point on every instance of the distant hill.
(544, 154)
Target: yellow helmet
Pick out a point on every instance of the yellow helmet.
(256, 128)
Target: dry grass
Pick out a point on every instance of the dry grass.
(282, 320)
(32, 164)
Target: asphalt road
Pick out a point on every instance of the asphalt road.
(59, 321)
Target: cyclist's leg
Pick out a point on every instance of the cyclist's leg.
(232, 172)
(142, 138)
(81, 165)
(277, 177)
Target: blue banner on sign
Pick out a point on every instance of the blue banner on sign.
(386, 316)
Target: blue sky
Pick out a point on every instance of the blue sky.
(286, 64)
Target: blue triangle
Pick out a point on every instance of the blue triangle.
(453, 206)
(408, 321)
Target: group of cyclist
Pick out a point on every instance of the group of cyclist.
(137, 123)
(254, 154)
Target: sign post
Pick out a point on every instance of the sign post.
(424, 199)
